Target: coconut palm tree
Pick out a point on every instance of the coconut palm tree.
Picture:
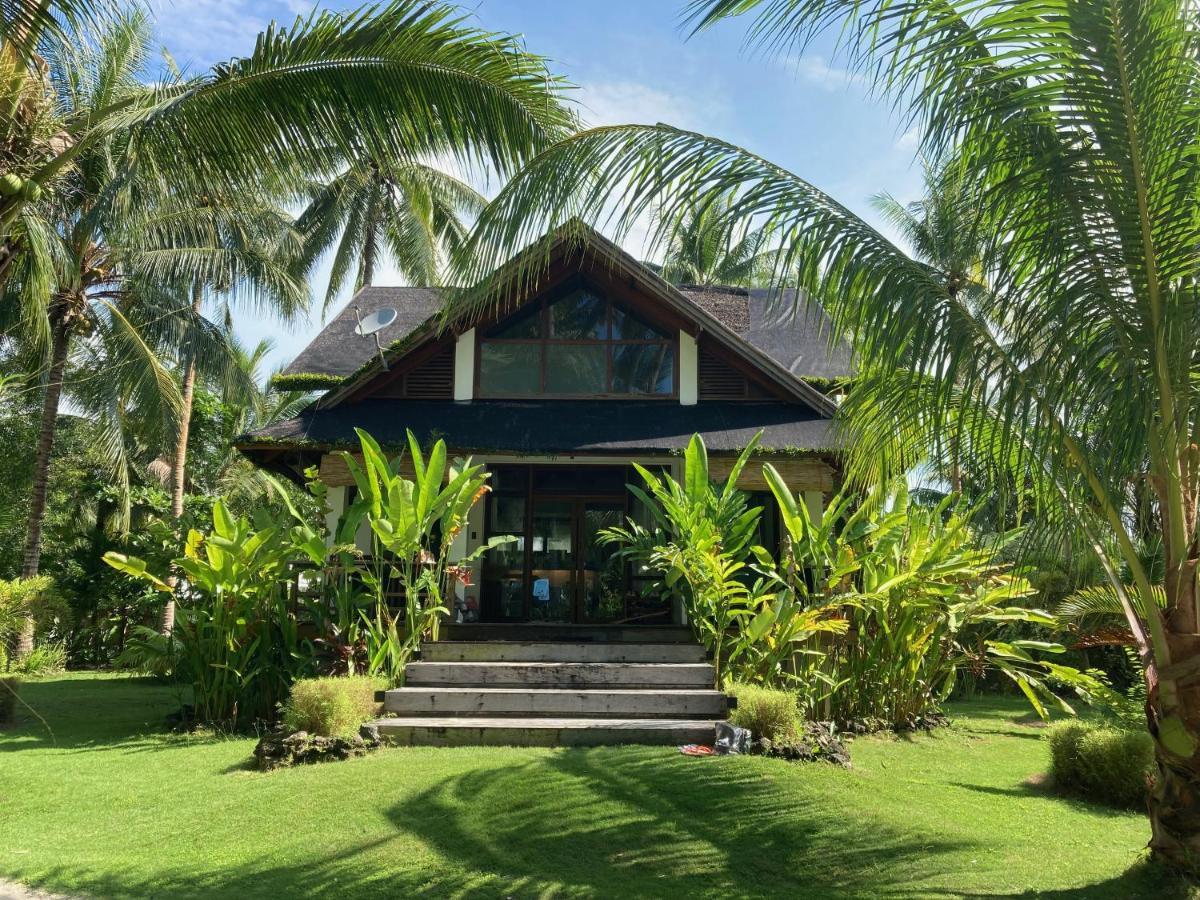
(409, 212)
(119, 248)
(93, 148)
(401, 80)
(1076, 121)
(708, 248)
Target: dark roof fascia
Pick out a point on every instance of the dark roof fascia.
(656, 285)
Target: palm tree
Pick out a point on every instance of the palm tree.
(403, 80)
(1076, 123)
(249, 402)
(943, 231)
(410, 212)
(308, 100)
(117, 246)
(708, 248)
(241, 248)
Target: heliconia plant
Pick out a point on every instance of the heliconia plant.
(236, 637)
(244, 632)
(923, 597)
(702, 542)
(414, 524)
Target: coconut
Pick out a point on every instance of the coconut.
(31, 191)
(10, 184)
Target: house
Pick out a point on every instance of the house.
(594, 364)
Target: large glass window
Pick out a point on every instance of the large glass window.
(576, 343)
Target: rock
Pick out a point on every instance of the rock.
(280, 748)
(818, 741)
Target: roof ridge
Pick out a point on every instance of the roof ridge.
(732, 289)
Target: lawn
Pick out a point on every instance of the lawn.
(114, 807)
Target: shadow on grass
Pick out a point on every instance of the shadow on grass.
(635, 822)
(79, 714)
(1144, 880)
(664, 826)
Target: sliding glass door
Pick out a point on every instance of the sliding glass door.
(557, 569)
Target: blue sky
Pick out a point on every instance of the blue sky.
(632, 62)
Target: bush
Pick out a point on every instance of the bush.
(768, 713)
(44, 659)
(9, 685)
(332, 707)
(1102, 763)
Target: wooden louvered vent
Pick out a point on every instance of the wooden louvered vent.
(434, 380)
(430, 379)
(721, 381)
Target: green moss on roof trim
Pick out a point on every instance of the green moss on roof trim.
(828, 385)
(305, 381)
(392, 350)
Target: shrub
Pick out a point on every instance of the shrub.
(333, 707)
(1099, 762)
(9, 685)
(768, 713)
(44, 659)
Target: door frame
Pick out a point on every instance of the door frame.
(577, 501)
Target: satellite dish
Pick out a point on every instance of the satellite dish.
(376, 321)
(372, 325)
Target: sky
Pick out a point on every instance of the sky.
(632, 62)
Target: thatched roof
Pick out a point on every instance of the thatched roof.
(795, 335)
(338, 351)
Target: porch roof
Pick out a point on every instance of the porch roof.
(561, 426)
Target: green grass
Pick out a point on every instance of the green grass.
(113, 807)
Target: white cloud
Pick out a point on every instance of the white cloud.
(630, 102)
(201, 32)
(910, 140)
(817, 70)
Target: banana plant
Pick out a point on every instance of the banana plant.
(236, 635)
(923, 598)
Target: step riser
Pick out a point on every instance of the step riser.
(593, 735)
(539, 651)
(566, 675)
(485, 702)
(655, 634)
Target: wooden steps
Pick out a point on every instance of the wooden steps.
(550, 651)
(549, 693)
(464, 731)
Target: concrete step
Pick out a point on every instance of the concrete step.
(553, 631)
(561, 651)
(589, 675)
(675, 703)
(541, 732)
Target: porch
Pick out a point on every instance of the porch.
(557, 576)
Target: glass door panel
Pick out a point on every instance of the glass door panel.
(552, 568)
(603, 571)
(504, 565)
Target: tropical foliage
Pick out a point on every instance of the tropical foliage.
(870, 611)
(119, 196)
(706, 248)
(412, 215)
(414, 524)
(263, 600)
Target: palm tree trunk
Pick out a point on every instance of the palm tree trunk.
(1175, 797)
(179, 461)
(60, 345)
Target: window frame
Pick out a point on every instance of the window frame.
(670, 340)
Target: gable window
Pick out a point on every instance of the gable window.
(577, 343)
